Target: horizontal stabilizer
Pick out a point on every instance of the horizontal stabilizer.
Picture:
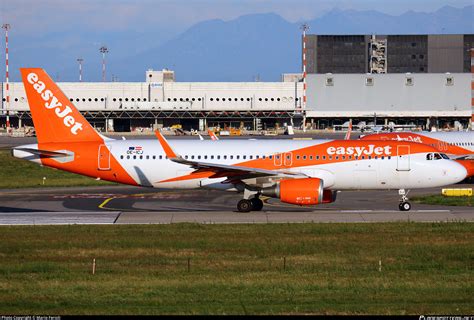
(43, 153)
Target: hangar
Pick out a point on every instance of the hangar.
(423, 80)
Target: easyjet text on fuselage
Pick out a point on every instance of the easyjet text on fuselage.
(360, 151)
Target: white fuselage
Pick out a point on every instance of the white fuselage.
(149, 165)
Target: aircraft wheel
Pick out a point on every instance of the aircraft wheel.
(244, 205)
(404, 206)
(257, 204)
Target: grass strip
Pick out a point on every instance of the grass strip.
(17, 173)
(437, 199)
(379, 268)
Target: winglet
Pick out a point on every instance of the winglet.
(165, 145)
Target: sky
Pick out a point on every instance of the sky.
(54, 33)
(175, 16)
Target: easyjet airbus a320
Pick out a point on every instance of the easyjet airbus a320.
(303, 172)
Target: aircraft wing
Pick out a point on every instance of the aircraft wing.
(233, 173)
(461, 156)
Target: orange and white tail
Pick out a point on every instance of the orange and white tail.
(56, 119)
(349, 131)
(212, 135)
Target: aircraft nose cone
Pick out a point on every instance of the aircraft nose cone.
(458, 171)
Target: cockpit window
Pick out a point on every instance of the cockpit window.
(436, 156)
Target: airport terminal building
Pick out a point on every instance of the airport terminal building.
(404, 79)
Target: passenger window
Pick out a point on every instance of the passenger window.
(219, 157)
(310, 157)
(317, 157)
(192, 157)
(324, 157)
(297, 157)
(304, 157)
(134, 157)
(231, 157)
(121, 157)
(244, 157)
(250, 157)
(237, 156)
(212, 157)
(343, 157)
(161, 157)
(154, 157)
(147, 157)
(205, 157)
(225, 157)
(257, 157)
(141, 157)
(337, 157)
(270, 157)
(199, 157)
(185, 157)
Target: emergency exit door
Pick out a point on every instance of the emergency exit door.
(403, 158)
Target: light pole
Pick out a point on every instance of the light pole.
(6, 26)
(103, 50)
(304, 27)
(80, 60)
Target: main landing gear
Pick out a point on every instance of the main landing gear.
(404, 205)
(247, 205)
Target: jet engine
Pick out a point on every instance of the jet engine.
(303, 192)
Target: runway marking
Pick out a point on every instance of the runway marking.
(102, 205)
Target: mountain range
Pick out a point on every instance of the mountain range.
(250, 47)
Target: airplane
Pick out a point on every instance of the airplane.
(458, 145)
(372, 126)
(299, 172)
(212, 135)
(349, 131)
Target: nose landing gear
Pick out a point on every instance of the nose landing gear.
(404, 205)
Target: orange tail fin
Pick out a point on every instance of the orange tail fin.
(56, 119)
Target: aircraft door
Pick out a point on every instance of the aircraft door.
(403, 158)
(288, 159)
(277, 159)
(104, 157)
(442, 146)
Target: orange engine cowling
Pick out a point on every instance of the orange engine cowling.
(303, 192)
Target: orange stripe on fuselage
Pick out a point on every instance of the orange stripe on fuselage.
(86, 159)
